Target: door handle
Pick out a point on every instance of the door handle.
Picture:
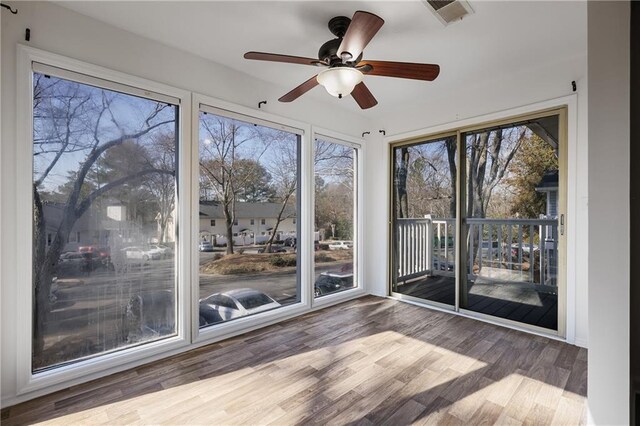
(561, 224)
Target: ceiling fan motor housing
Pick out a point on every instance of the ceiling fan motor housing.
(338, 26)
(328, 52)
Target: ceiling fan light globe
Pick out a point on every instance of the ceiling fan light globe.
(340, 81)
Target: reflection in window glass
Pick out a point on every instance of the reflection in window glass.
(335, 195)
(104, 233)
(246, 171)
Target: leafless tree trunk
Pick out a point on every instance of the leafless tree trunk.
(486, 167)
(281, 217)
(285, 176)
(451, 157)
(402, 171)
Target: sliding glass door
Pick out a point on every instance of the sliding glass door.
(424, 219)
(478, 220)
(511, 225)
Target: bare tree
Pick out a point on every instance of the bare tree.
(428, 183)
(489, 154)
(400, 180)
(162, 185)
(74, 123)
(284, 172)
(226, 145)
(334, 166)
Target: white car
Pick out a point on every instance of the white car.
(138, 253)
(240, 302)
(162, 251)
(341, 245)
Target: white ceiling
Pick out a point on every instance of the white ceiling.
(498, 39)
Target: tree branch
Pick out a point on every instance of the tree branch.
(84, 205)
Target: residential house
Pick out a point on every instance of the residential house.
(254, 223)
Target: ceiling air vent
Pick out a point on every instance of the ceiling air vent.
(448, 11)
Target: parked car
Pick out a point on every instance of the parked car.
(240, 302)
(73, 264)
(205, 246)
(98, 251)
(139, 253)
(341, 245)
(290, 242)
(333, 281)
(274, 249)
(163, 251)
(208, 315)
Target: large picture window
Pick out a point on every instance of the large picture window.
(335, 176)
(247, 171)
(104, 218)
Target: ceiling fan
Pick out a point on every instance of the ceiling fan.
(345, 68)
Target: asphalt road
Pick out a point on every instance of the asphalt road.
(279, 285)
(87, 315)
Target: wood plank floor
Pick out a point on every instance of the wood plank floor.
(522, 303)
(368, 361)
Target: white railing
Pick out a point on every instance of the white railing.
(521, 250)
(444, 249)
(413, 250)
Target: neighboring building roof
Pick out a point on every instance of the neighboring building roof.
(549, 181)
(246, 210)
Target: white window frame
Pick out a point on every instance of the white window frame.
(189, 336)
(99, 365)
(227, 329)
(360, 289)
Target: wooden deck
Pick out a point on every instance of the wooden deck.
(369, 361)
(518, 301)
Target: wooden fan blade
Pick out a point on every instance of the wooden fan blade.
(363, 27)
(427, 72)
(363, 96)
(274, 57)
(300, 90)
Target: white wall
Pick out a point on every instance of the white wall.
(61, 31)
(534, 86)
(609, 141)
